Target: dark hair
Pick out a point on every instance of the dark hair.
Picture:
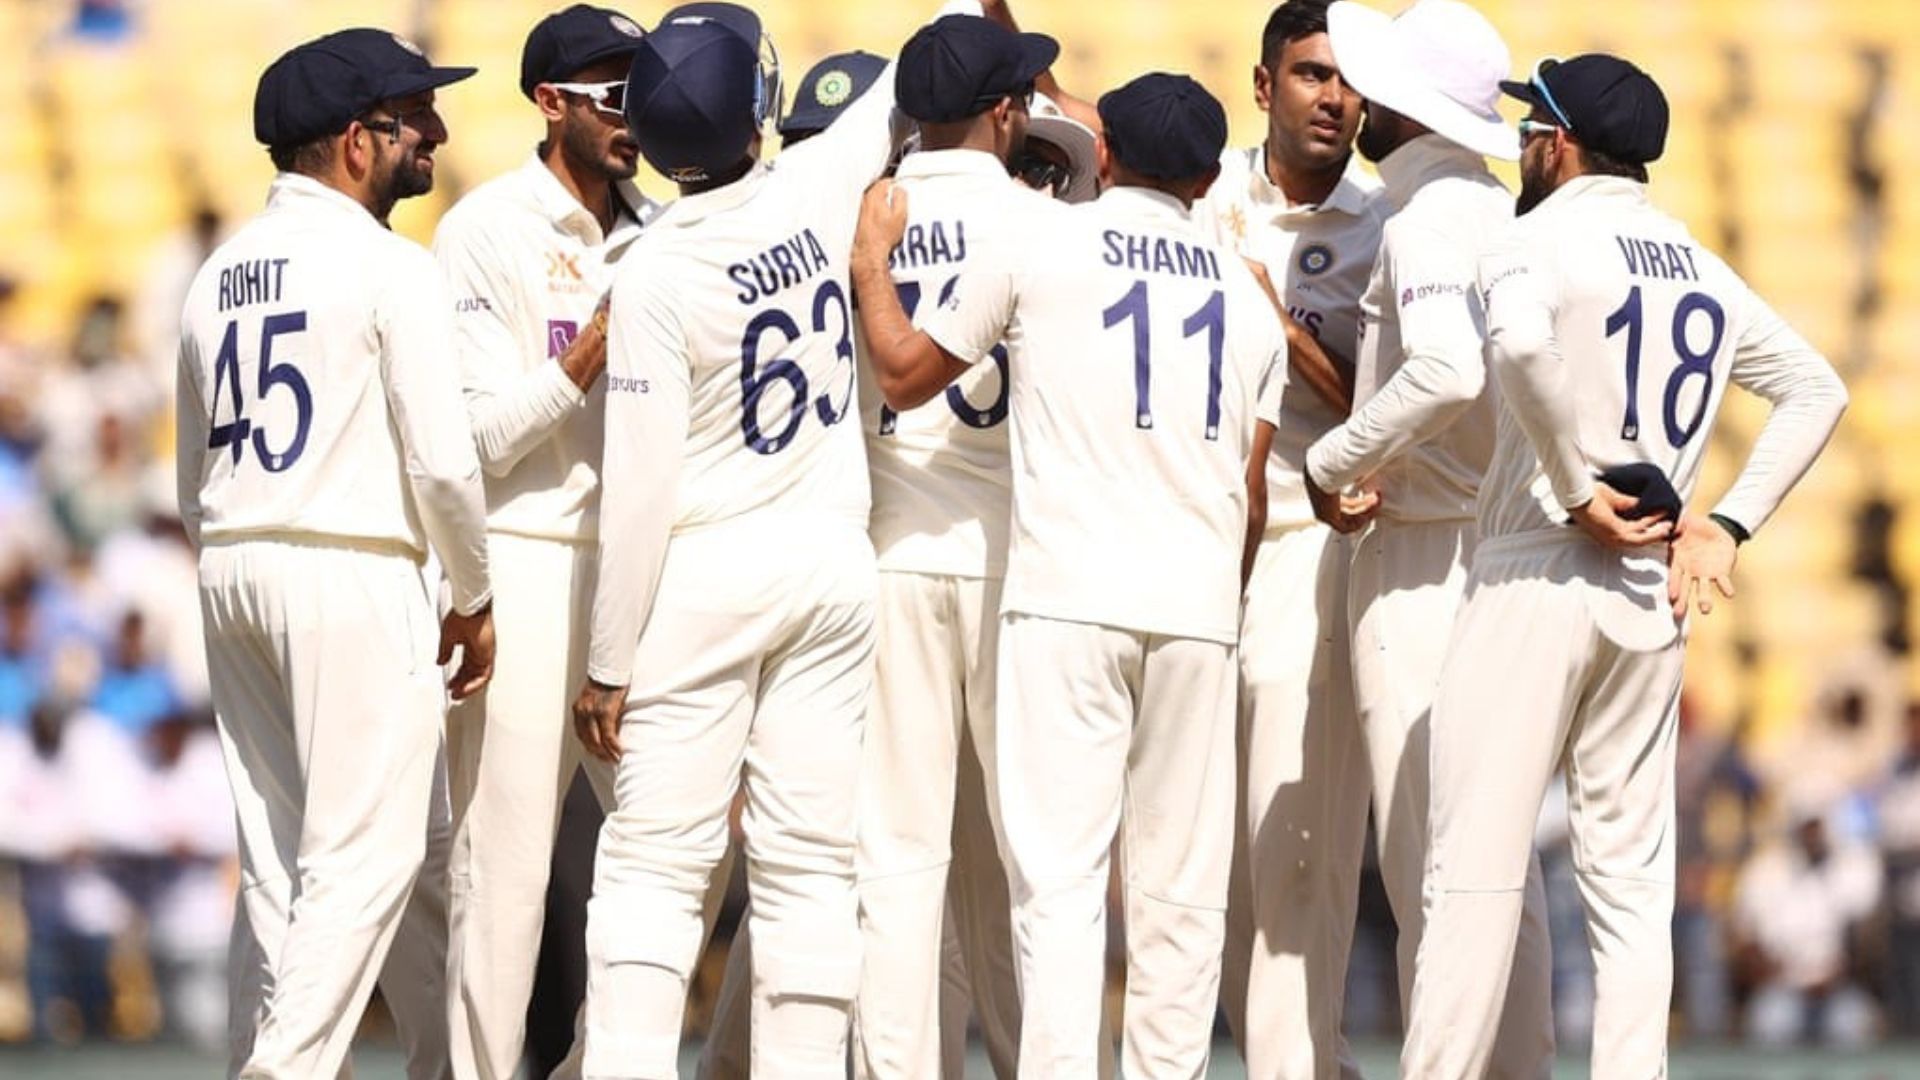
(309, 157)
(1291, 21)
(1603, 164)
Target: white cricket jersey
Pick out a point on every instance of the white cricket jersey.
(941, 475)
(526, 263)
(318, 392)
(1423, 419)
(730, 366)
(1139, 349)
(1614, 335)
(1319, 257)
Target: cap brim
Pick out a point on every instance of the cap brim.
(1077, 142)
(1520, 91)
(1372, 63)
(415, 82)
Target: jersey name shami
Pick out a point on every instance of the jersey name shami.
(256, 281)
(780, 267)
(1651, 258)
(1160, 255)
(930, 244)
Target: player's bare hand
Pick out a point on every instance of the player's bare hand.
(1602, 518)
(1345, 511)
(883, 221)
(472, 635)
(596, 719)
(1703, 554)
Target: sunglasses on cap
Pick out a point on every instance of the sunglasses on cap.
(1539, 83)
(1530, 128)
(607, 97)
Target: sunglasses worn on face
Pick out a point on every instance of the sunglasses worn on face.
(608, 97)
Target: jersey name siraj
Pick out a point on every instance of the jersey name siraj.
(930, 244)
(1160, 255)
(780, 267)
(1653, 259)
(255, 281)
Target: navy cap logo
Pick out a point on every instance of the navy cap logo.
(1315, 260)
(408, 45)
(624, 25)
(834, 88)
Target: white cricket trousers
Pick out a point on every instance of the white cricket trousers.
(1304, 783)
(754, 667)
(329, 709)
(1405, 591)
(1532, 686)
(1104, 731)
(511, 755)
(935, 652)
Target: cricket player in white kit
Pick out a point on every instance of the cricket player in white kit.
(1613, 335)
(734, 555)
(528, 257)
(1300, 206)
(322, 450)
(1421, 434)
(941, 499)
(1138, 350)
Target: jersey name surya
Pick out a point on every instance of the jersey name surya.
(780, 267)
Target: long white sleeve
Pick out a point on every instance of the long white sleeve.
(512, 408)
(649, 386)
(1808, 399)
(1529, 368)
(1435, 304)
(189, 441)
(422, 378)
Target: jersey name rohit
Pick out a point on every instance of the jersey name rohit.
(1160, 255)
(255, 281)
(780, 267)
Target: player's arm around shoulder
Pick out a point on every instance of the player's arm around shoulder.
(909, 366)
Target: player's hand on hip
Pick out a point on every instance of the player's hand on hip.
(1603, 519)
(1703, 553)
(473, 636)
(883, 221)
(596, 719)
(1344, 511)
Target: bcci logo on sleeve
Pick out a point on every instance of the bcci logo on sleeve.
(1317, 259)
(834, 88)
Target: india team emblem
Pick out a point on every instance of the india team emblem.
(834, 88)
(1316, 259)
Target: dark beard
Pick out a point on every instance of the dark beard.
(1377, 138)
(580, 143)
(1533, 191)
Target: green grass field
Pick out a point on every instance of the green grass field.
(1689, 1063)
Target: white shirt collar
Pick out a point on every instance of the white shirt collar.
(560, 206)
(1594, 188)
(291, 187)
(1423, 160)
(688, 209)
(1349, 196)
(956, 162)
(1144, 203)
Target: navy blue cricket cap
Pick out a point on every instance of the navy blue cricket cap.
(695, 93)
(1604, 102)
(828, 88)
(318, 88)
(1165, 127)
(571, 39)
(959, 66)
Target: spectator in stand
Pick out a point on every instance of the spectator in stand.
(1798, 912)
(1898, 815)
(135, 691)
(190, 910)
(1714, 796)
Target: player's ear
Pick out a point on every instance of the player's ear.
(551, 102)
(1103, 160)
(1262, 86)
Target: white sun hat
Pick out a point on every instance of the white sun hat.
(1046, 121)
(1439, 63)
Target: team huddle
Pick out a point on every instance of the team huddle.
(991, 482)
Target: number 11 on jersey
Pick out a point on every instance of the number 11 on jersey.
(1212, 318)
